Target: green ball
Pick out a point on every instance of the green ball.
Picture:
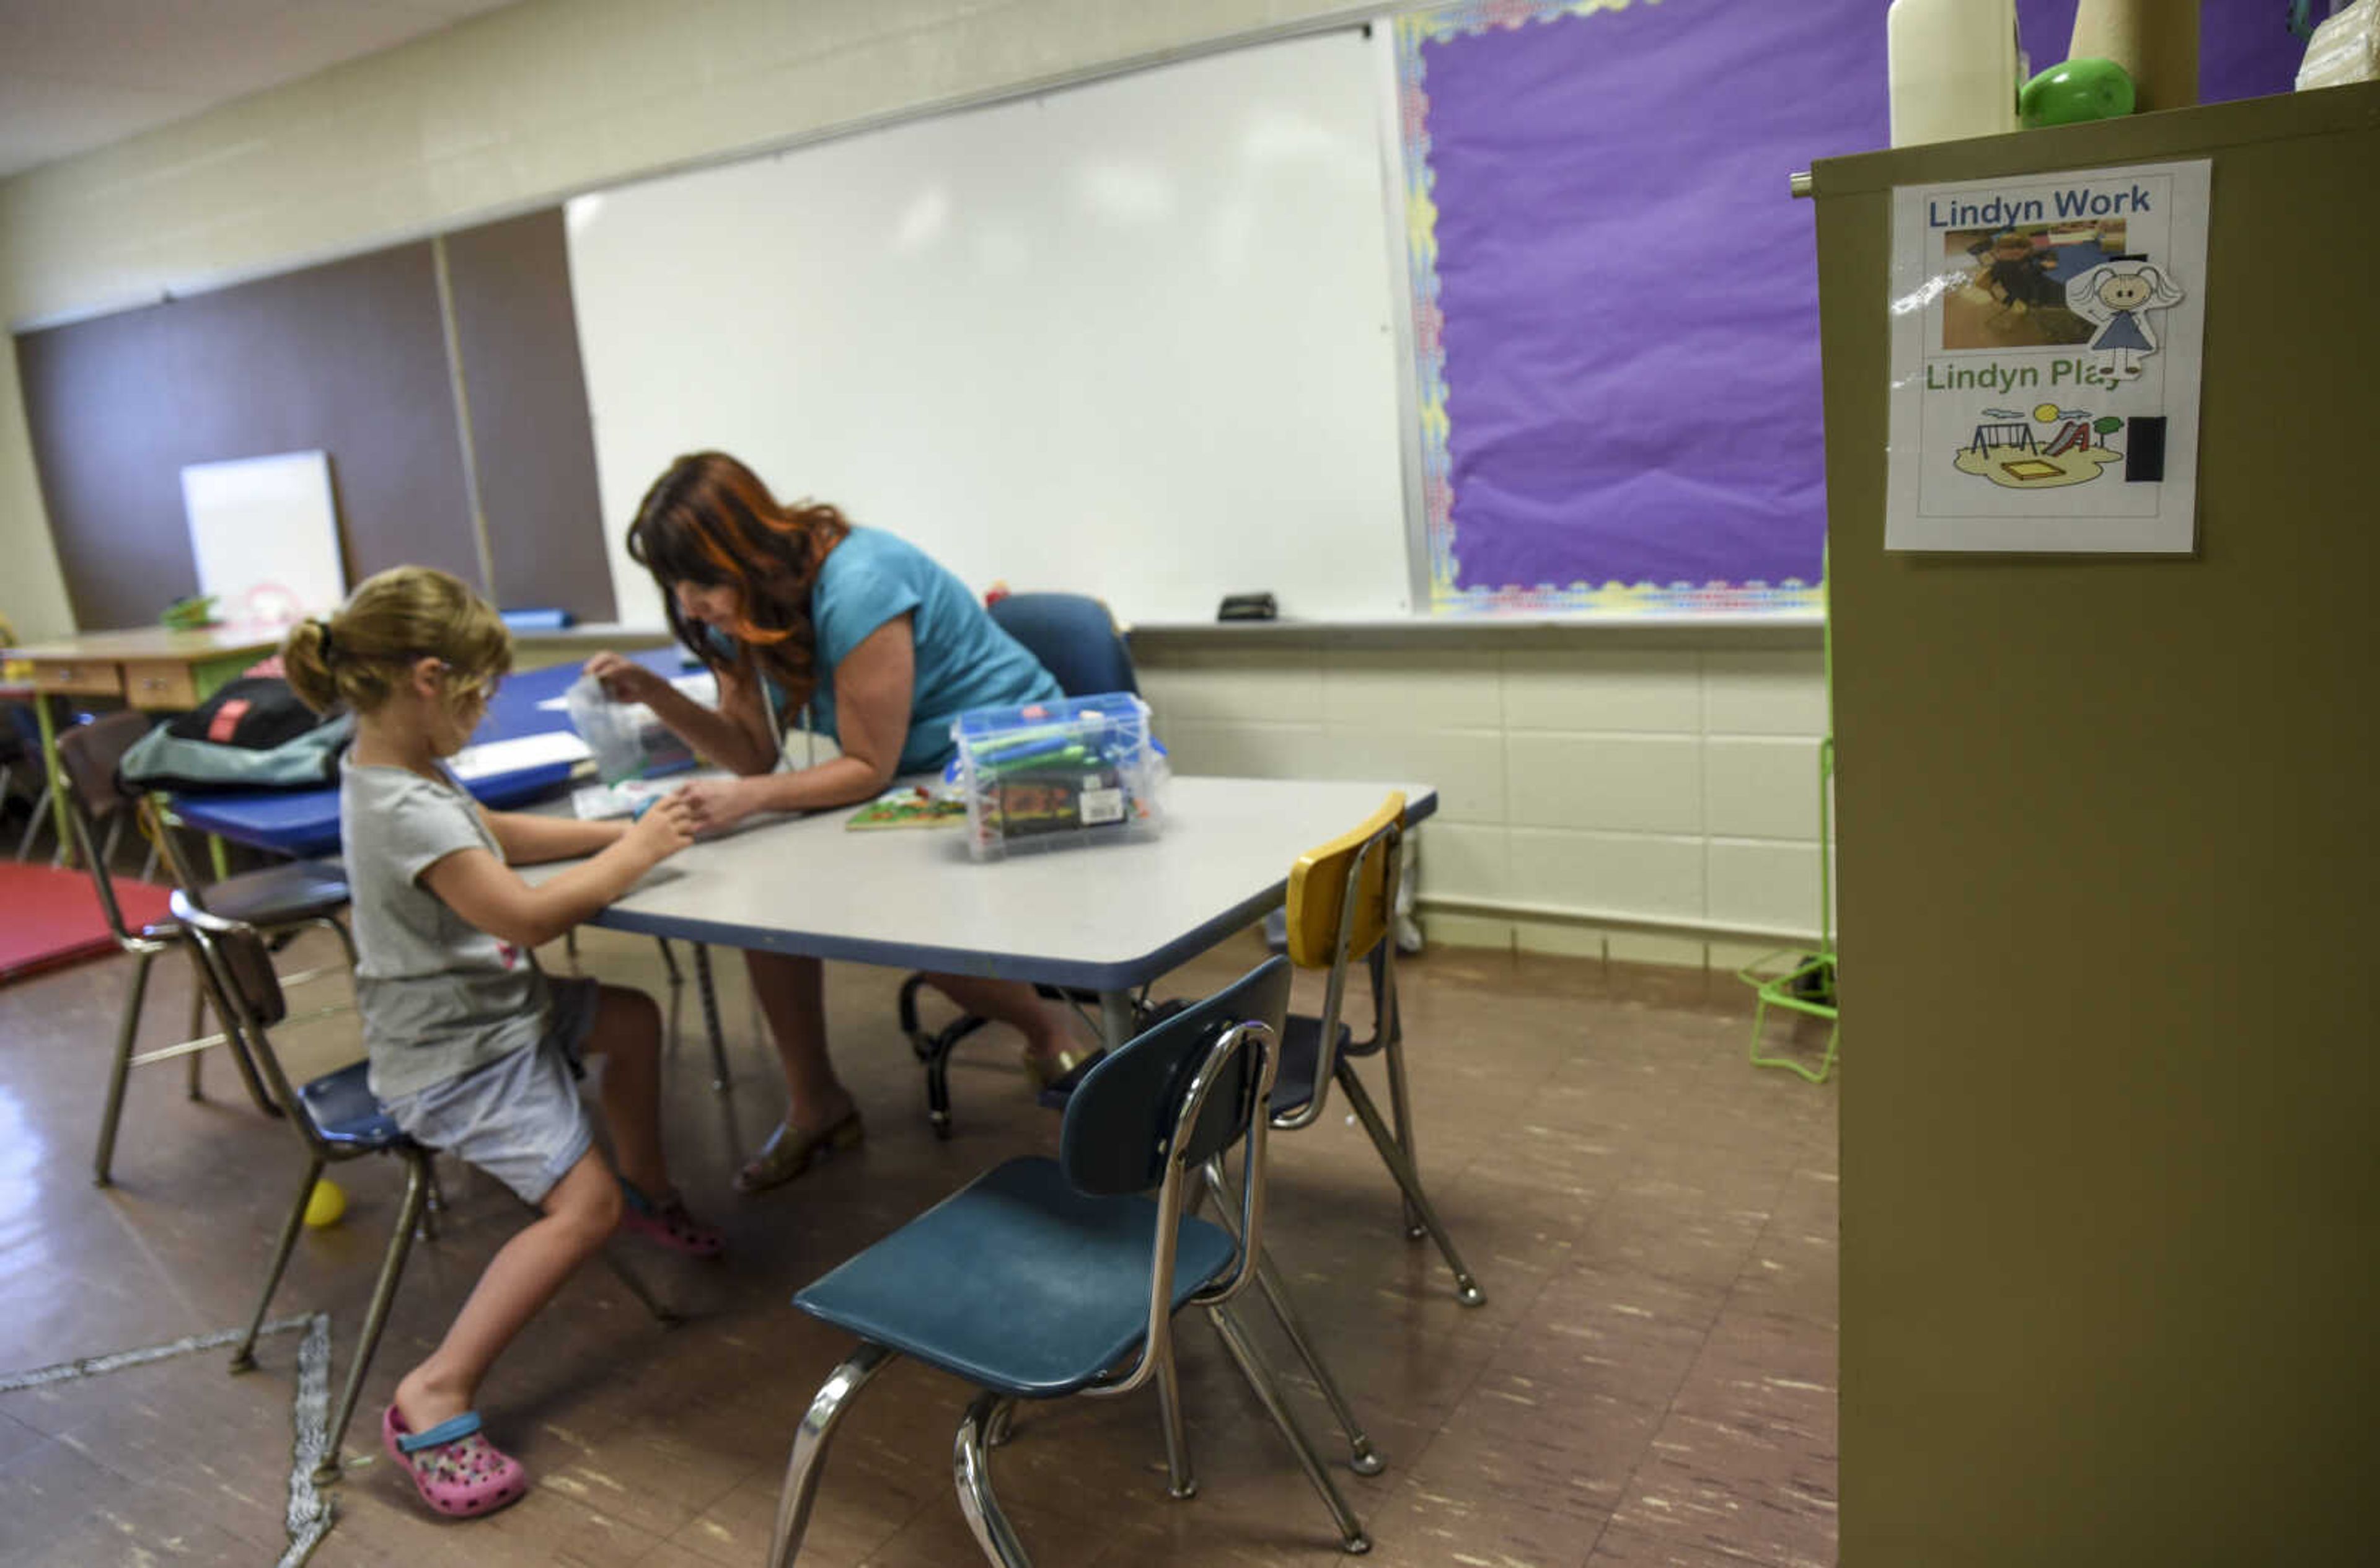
(2080, 89)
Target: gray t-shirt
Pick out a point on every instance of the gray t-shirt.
(439, 997)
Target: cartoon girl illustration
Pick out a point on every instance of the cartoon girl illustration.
(2116, 297)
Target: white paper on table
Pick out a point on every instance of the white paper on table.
(700, 687)
(518, 754)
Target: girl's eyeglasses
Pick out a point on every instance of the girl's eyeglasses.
(484, 688)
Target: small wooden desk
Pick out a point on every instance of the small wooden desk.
(147, 667)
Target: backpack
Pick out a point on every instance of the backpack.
(254, 733)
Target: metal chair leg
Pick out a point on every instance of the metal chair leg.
(33, 823)
(400, 1242)
(1466, 1288)
(641, 1290)
(810, 1442)
(243, 1359)
(126, 1032)
(433, 1199)
(211, 988)
(195, 1088)
(1180, 1482)
(1362, 1457)
(1401, 1118)
(338, 928)
(1268, 1391)
(973, 1473)
(720, 1079)
(933, 1052)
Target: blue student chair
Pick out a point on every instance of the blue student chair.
(1076, 640)
(338, 1119)
(1046, 1278)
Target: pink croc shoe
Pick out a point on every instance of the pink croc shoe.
(458, 1472)
(664, 1223)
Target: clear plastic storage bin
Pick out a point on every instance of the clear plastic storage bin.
(1048, 775)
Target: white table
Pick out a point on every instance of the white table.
(1107, 918)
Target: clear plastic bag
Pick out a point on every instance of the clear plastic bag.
(627, 741)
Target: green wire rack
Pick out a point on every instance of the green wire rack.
(1807, 985)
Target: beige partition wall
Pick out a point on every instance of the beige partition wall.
(2111, 1144)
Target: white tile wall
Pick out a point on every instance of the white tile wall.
(1626, 783)
(1763, 883)
(1760, 786)
(1631, 873)
(1672, 791)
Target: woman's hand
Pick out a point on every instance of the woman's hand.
(715, 805)
(624, 680)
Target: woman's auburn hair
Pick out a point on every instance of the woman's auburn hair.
(710, 521)
(357, 657)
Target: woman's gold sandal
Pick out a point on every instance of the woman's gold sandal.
(1047, 1070)
(788, 1153)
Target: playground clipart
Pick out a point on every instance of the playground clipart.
(2050, 446)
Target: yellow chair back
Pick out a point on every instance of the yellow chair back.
(1317, 891)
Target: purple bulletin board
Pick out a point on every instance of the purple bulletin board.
(1615, 298)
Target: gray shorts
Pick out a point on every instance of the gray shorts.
(519, 1118)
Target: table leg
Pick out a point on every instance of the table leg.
(1115, 1017)
(42, 710)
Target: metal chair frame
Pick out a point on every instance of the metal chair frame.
(219, 942)
(1393, 1136)
(144, 946)
(985, 1422)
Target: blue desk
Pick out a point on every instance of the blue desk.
(306, 821)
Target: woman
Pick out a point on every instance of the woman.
(793, 606)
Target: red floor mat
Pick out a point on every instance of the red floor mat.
(49, 918)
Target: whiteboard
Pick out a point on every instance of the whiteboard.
(264, 535)
(1134, 339)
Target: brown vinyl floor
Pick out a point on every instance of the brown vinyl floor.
(1651, 1382)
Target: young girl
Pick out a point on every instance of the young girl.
(473, 1050)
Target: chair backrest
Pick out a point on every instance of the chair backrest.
(1342, 899)
(86, 758)
(248, 991)
(1073, 637)
(1157, 1110)
(1120, 1126)
(1342, 896)
(89, 754)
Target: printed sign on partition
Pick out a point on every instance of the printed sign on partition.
(2046, 347)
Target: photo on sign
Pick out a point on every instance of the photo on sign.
(2014, 295)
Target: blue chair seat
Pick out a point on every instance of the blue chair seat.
(342, 1107)
(1016, 1283)
(298, 891)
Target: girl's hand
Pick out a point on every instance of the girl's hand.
(624, 680)
(666, 827)
(715, 805)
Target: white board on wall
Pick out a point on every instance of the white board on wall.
(264, 535)
(1133, 339)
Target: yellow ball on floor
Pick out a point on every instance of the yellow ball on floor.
(325, 1203)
